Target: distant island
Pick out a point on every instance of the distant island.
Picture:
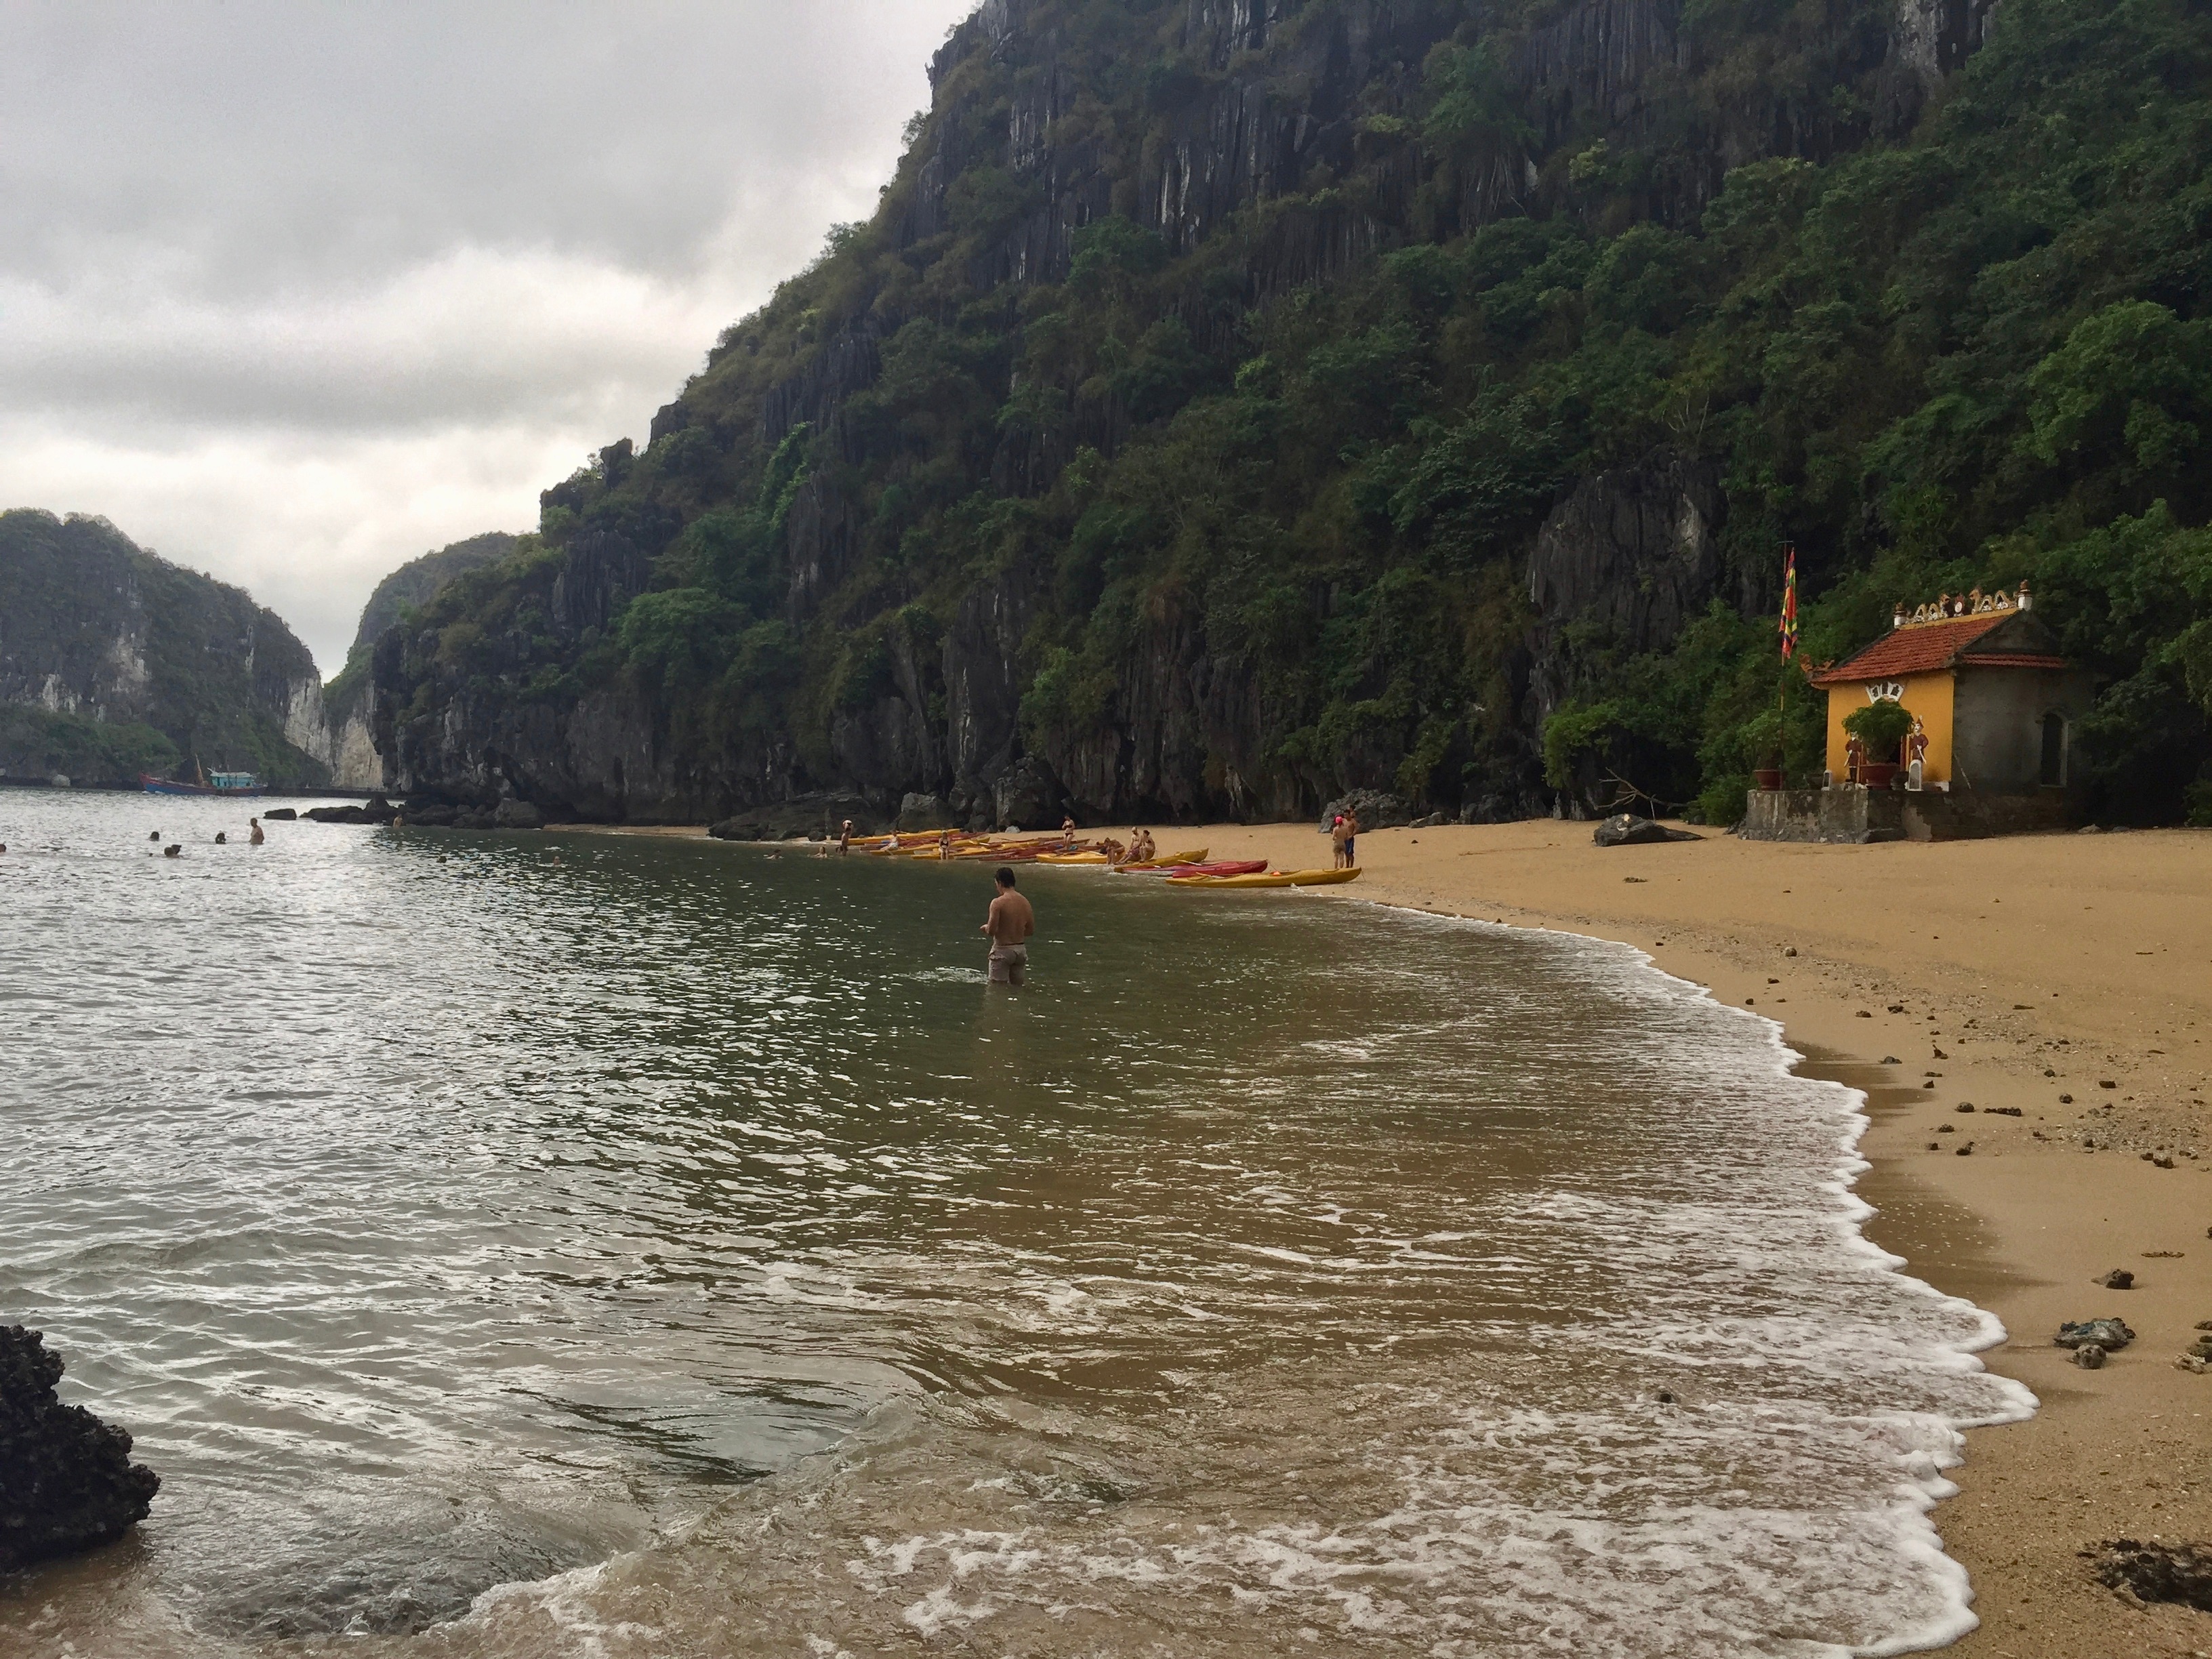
(115, 662)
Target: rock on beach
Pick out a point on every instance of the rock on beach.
(67, 1482)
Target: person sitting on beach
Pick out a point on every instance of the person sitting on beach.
(257, 837)
(1009, 925)
(845, 839)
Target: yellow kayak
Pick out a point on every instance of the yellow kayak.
(1277, 878)
(1073, 857)
(1171, 862)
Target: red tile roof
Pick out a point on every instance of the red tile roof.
(1916, 648)
(2014, 659)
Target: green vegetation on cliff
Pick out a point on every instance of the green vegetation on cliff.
(406, 589)
(114, 662)
(1249, 435)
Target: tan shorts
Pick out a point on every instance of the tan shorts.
(1008, 963)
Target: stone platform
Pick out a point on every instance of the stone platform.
(1850, 813)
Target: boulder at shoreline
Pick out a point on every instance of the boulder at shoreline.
(67, 1482)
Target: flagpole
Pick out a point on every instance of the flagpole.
(1789, 630)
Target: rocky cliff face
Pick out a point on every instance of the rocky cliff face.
(103, 640)
(343, 730)
(1292, 126)
(596, 755)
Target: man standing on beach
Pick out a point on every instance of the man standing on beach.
(1009, 925)
(845, 840)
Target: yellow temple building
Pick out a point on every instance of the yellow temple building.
(1995, 703)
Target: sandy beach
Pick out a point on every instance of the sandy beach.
(2068, 977)
(2011, 974)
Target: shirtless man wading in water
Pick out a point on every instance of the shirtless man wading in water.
(1009, 925)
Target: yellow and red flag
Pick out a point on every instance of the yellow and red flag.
(1788, 600)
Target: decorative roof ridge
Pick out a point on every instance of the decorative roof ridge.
(1952, 607)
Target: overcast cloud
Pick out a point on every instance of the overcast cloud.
(293, 290)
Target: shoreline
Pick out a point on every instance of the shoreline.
(2007, 973)
(1846, 951)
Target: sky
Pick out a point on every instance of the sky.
(295, 290)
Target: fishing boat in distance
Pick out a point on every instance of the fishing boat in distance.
(210, 783)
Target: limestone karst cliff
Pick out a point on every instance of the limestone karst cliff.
(349, 700)
(113, 661)
(1236, 402)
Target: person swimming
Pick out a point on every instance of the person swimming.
(154, 835)
(257, 837)
(221, 840)
(174, 850)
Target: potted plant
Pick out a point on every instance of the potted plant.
(1882, 728)
(1762, 740)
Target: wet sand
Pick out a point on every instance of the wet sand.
(2006, 973)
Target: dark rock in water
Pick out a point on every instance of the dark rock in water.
(2153, 1572)
(279, 815)
(2119, 1279)
(377, 809)
(2089, 1356)
(2110, 1334)
(432, 815)
(66, 1478)
(1627, 830)
(1374, 810)
(518, 814)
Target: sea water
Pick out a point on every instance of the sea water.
(608, 1245)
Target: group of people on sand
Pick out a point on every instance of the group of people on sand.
(1140, 848)
(1344, 839)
